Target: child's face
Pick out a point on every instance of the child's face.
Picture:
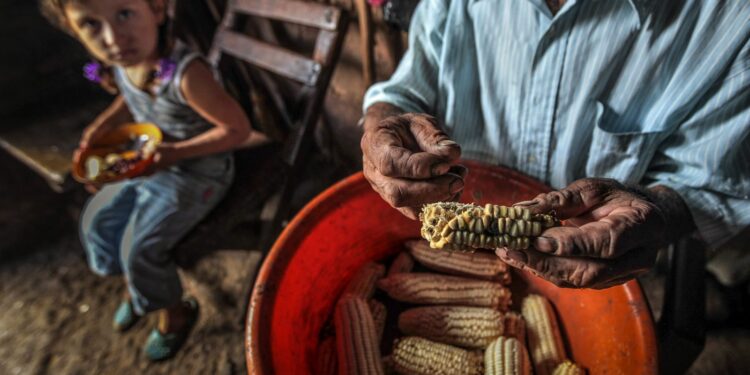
(121, 32)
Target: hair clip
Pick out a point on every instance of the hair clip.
(92, 71)
(166, 70)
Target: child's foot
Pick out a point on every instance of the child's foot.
(125, 317)
(175, 324)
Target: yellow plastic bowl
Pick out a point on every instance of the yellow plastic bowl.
(109, 143)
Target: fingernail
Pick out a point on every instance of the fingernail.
(518, 256)
(446, 143)
(439, 169)
(456, 186)
(547, 244)
(526, 203)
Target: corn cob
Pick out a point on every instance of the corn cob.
(327, 363)
(418, 356)
(545, 342)
(506, 356)
(569, 368)
(514, 326)
(363, 282)
(356, 340)
(401, 264)
(379, 313)
(459, 226)
(469, 327)
(435, 289)
(480, 265)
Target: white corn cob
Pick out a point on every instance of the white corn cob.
(435, 289)
(401, 264)
(569, 368)
(363, 282)
(356, 339)
(506, 356)
(545, 343)
(379, 314)
(469, 327)
(327, 363)
(417, 356)
(458, 226)
(480, 265)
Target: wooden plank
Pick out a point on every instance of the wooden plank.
(303, 13)
(269, 57)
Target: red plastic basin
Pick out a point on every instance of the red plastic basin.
(608, 331)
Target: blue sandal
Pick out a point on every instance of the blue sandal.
(161, 346)
(125, 317)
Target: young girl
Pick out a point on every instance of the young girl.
(130, 227)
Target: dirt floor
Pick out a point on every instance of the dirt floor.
(57, 314)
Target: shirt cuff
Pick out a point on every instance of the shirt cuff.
(716, 216)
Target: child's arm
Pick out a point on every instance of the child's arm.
(116, 114)
(206, 97)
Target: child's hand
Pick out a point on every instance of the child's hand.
(91, 134)
(165, 156)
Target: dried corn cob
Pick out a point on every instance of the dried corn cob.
(545, 342)
(470, 327)
(327, 363)
(480, 265)
(418, 356)
(514, 326)
(401, 264)
(506, 356)
(357, 342)
(363, 282)
(435, 289)
(569, 368)
(379, 313)
(458, 226)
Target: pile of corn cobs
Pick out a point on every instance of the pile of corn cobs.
(453, 317)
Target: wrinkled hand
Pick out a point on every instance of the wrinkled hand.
(612, 234)
(409, 161)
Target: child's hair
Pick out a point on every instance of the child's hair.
(54, 12)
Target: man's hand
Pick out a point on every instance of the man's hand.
(612, 233)
(408, 160)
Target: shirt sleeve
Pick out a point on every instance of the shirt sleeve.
(707, 159)
(413, 86)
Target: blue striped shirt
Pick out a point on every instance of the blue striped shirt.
(642, 91)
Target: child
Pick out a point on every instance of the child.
(130, 227)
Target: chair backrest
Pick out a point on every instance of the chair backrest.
(313, 72)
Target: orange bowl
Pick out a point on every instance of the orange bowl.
(109, 143)
(607, 331)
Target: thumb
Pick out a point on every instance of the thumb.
(575, 199)
(431, 138)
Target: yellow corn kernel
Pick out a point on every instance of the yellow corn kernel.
(545, 343)
(417, 356)
(480, 265)
(506, 356)
(435, 289)
(459, 226)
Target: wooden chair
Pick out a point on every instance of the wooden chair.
(283, 92)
